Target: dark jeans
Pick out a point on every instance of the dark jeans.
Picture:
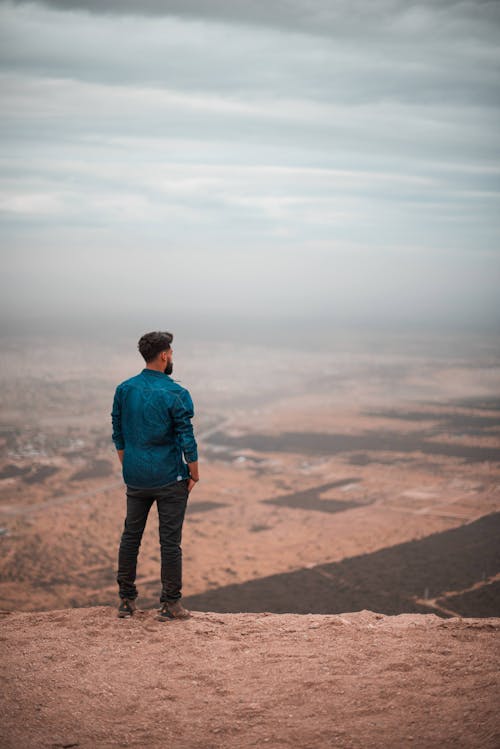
(171, 501)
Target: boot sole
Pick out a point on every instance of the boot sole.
(171, 617)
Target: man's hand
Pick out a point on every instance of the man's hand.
(194, 476)
(120, 455)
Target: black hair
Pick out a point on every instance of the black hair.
(151, 344)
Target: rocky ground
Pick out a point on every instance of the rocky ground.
(84, 678)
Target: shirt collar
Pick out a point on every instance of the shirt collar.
(153, 373)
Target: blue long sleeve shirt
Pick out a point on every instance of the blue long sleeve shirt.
(151, 420)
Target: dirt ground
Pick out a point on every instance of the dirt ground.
(84, 678)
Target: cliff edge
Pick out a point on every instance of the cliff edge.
(84, 678)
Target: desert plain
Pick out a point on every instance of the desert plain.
(350, 485)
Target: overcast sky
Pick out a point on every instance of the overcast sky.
(282, 159)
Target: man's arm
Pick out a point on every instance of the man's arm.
(116, 419)
(182, 411)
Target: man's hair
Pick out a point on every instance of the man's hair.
(151, 344)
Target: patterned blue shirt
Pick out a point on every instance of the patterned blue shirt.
(151, 420)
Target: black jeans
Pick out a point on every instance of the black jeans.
(171, 501)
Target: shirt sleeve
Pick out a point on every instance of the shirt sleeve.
(182, 411)
(116, 420)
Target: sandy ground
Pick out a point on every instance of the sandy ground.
(84, 678)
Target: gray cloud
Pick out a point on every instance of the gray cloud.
(312, 16)
(343, 154)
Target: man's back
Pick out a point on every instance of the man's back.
(152, 423)
(152, 432)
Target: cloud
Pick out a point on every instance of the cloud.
(372, 51)
(342, 153)
(320, 17)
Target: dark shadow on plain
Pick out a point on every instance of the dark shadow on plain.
(96, 469)
(317, 443)
(309, 499)
(33, 474)
(202, 506)
(489, 403)
(453, 423)
(387, 581)
(481, 600)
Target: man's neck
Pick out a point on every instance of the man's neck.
(155, 367)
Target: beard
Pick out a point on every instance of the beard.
(169, 368)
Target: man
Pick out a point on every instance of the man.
(152, 432)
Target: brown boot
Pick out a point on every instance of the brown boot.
(126, 608)
(172, 610)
